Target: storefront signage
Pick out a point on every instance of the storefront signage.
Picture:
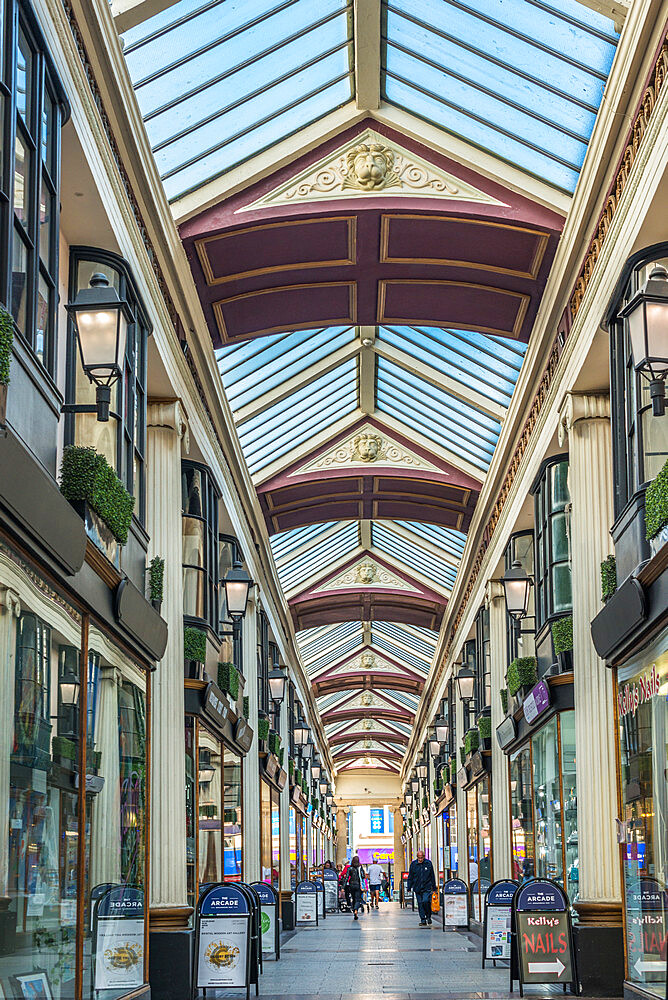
(243, 734)
(271, 765)
(281, 778)
(320, 890)
(455, 903)
(646, 907)
(478, 890)
(497, 921)
(462, 777)
(306, 898)
(331, 880)
(506, 732)
(223, 932)
(536, 702)
(636, 693)
(544, 939)
(269, 933)
(215, 706)
(477, 764)
(119, 939)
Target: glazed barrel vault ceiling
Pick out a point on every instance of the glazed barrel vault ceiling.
(371, 296)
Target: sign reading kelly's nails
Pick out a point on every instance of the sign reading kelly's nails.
(543, 934)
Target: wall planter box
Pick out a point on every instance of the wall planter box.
(99, 533)
(628, 535)
(89, 483)
(658, 542)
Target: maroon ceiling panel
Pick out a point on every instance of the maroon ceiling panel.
(287, 307)
(464, 305)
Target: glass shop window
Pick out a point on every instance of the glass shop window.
(191, 809)
(200, 545)
(520, 636)
(640, 441)
(32, 111)
(233, 816)
(122, 440)
(209, 807)
(483, 685)
(521, 815)
(552, 542)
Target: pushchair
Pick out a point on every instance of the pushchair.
(344, 902)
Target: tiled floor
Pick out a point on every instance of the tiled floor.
(384, 954)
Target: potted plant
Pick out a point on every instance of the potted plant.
(521, 676)
(93, 761)
(485, 731)
(471, 741)
(656, 511)
(228, 680)
(194, 651)
(262, 729)
(64, 752)
(462, 755)
(274, 742)
(246, 707)
(6, 341)
(608, 578)
(156, 580)
(562, 640)
(504, 700)
(92, 487)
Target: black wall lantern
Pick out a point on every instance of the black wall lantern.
(100, 321)
(647, 315)
(237, 584)
(517, 586)
(277, 681)
(466, 684)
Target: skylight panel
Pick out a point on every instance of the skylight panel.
(313, 641)
(221, 81)
(332, 655)
(446, 538)
(421, 639)
(319, 556)
(452, 423)
(255, 367)
(289, 423)
(489, 365)
(287, 541)
(413, 556)
(380, 642)
(523, 79)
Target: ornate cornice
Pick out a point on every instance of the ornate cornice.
(578, 406)
(636, 135)
(170, 415)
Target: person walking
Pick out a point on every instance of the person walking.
(422, 881)
(353, 883)
(375, 878)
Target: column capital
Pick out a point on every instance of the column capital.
(170, 415)
(578, 406)
(494, 592)
(10, 601)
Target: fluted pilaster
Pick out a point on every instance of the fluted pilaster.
(585, 420)
(167, 429)
(10, 609)
(398, 846)
(341, 836)
(284, 810)
(500, 797)
(251, 782)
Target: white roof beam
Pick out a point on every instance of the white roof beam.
(616, 10)
(129, 13)
(366, 15)
(431, 447)
(313, 443)
(367, 370)
(444, 382)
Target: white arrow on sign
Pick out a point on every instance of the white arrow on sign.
(642, 966)
(556, 967)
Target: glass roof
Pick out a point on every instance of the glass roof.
(297, 568)
(522, 79)
(418, 558)
(219, 81)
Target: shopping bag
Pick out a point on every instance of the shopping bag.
(435, 904)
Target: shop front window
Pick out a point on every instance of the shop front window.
(191, 807)
(547, 803)
(121, 439)
(552, 541)
(484, 829)
(643, 729)
(200, 545)
(265, 831)
(454, 856)
(210, 784)
(521, 805)
(472, 834)
(569, 803)
(233, 816)
(294, 846)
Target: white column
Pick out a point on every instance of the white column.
(500, 796)
(166, 431)
(585, 420)
(10, 609)
(462, 838)
(284, 809)
(398, 846)
(341, 834)
(251, 776)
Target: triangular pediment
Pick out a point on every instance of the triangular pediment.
(367, 700)
(367, 662)
(367, 746)
(366, 573)
(366, 447)
(371, 165)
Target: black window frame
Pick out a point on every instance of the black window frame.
(17, 20)
(209, 568)
(469, 659)
(629, 395)
(263, 663)
(544, 563)
(483, 667)
(129, 394)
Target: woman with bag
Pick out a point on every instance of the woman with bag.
(354, 881)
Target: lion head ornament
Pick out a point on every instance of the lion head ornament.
(370, 167)
(367, 447)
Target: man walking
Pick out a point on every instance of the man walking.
(375, 878)
(422, 881)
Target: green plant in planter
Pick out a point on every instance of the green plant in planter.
(62, 746)
(6, 342)
(485, 727)
(246, 708)
(262, 729)
(608, 578)
(298, 776)
(453, 772)
(94, 759)
(522, 672)
(425, 802)
(87, 477)
(228, 679)
(438, 785)
(562, 635)
(304, 786)
(281, 755)
(504, 700)
(274, 742)
(291, 766)
(194, 644)
(462, 755)
(471, 741)
(156, 578)
(656, 504)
